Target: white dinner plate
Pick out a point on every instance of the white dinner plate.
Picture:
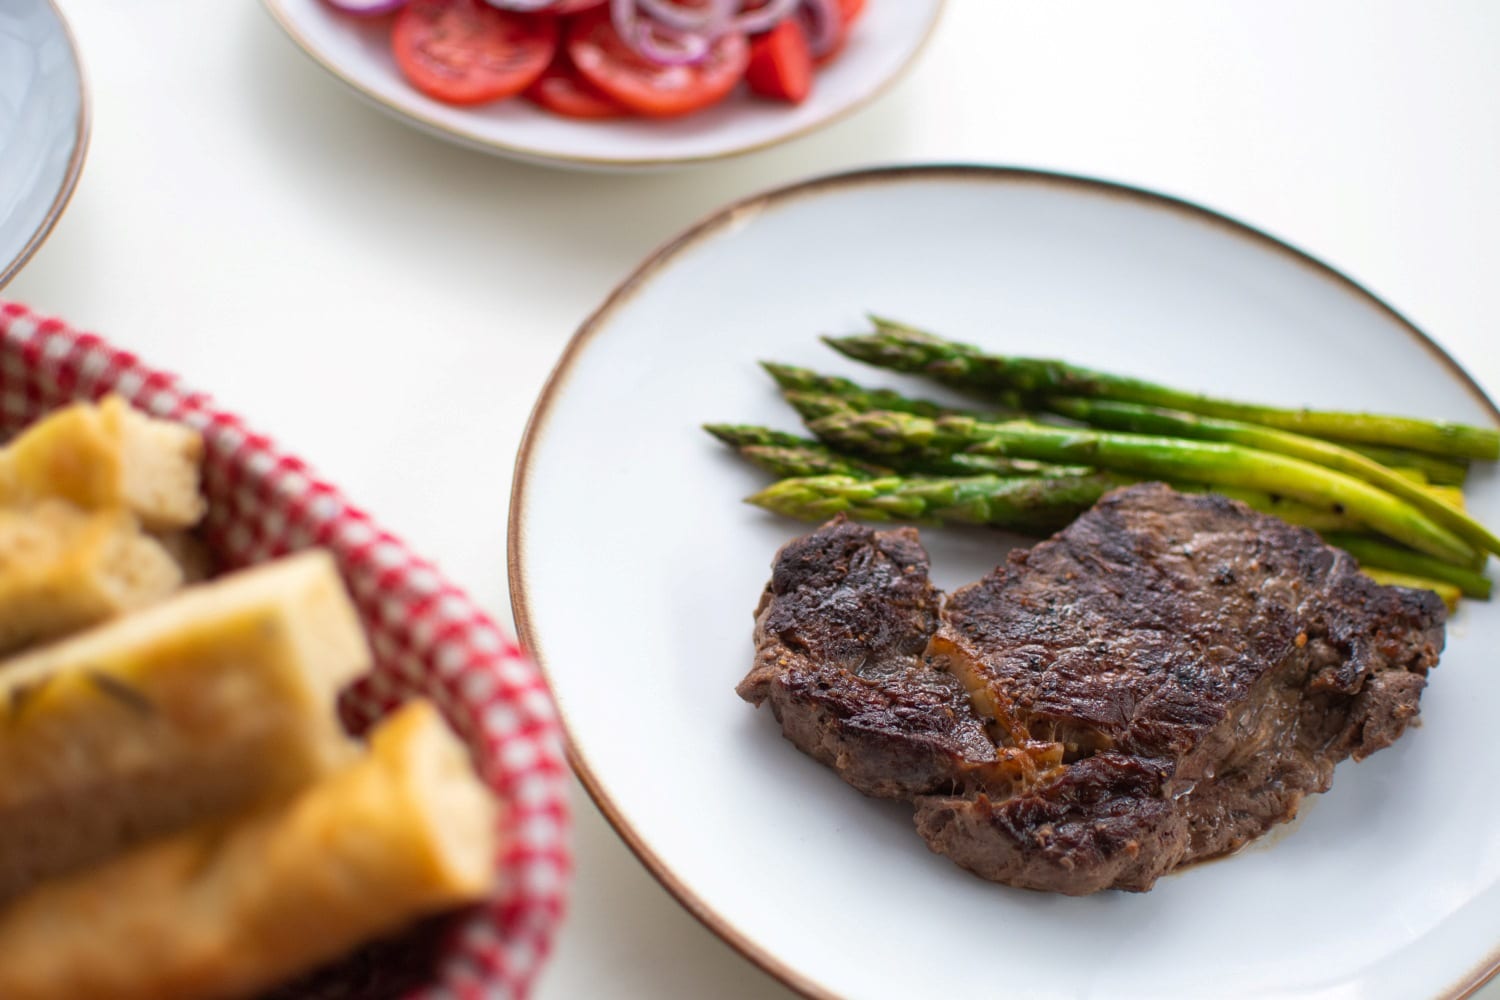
(44, 127)
(357, 51)
(635, 569)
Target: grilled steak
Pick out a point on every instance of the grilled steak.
(842, 630)
(1157, 684)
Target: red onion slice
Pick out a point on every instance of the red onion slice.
(824, 22)
(522, 6)
(674, 15)
(367, 8)
(765, 17)
(656, 42)
(670, 48)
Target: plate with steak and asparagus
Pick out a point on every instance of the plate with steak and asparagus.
(1139, 541)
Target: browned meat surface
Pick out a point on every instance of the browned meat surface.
(840, 635)
(1157, 684)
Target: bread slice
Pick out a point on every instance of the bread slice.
(218, 912)
(219, 698)
(194, 559)
(63, 569)
(108, 456)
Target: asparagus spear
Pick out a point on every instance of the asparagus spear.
(1442, 471)
(1374, 554)
(1025, 504)
(783, 454)
(1447, 592)
(1321, 519)
(895, 435)
(1036, 506)
(937, 460)
(1139, 419)
(1022, 503)
(803, 380)
(739, 435)
(1453, 496)
(803, 458)
(1414, 465)
(893, 345)
(783, 462)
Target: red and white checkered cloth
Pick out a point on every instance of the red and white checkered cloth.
(429, 640)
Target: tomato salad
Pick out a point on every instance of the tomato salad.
(613, 58)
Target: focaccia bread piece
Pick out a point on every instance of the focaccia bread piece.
(108, 456)
(225, 912)
(219, 698)
(63, 569)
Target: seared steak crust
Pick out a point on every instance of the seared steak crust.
(1158, 683)
(839, 638)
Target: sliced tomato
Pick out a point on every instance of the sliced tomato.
(575, 6)
(467, 52)
(609, 63)
(564, 91)
(781, 64)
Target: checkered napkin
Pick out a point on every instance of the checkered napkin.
(429, 639)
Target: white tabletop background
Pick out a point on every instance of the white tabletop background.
(388, 306)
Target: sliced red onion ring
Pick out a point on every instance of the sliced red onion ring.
(670, 48)
(670, 32)
(765, 17)
(367, 8)
(824, 22)
(707, 20)
(522, 6)
(654, 41)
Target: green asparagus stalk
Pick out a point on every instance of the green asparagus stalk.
(739, 435)
(934, 461)
(1448, 593)
(1322, 519)
(1037, 506)
(783, 454)
(797, 457)
(1372, 553)
(783, 462)
(1453, 496)
(1139, 419)
(803, 380)
(815, 395)
(883, 434)
(1024, 503)
(1415, 465)
(1439, 471)
(939, 459)
(903, 348)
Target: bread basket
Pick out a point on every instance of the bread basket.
(428, 637)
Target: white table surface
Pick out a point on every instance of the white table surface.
(245, 221)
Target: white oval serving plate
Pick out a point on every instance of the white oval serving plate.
(635, 570)
(357, 51)
(44, 127)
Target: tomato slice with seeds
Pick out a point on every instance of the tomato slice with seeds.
(564, 91)
(609, 63)
(467, 52)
